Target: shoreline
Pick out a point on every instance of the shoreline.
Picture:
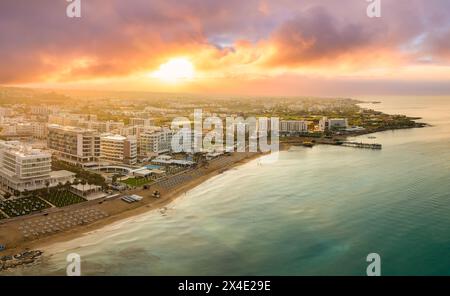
(116, 209)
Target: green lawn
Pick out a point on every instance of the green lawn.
(136, 182)
(62, 198)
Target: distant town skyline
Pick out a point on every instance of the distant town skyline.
(256, 47)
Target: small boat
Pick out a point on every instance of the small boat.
(372, 137)
(308, 144)
(2, 247)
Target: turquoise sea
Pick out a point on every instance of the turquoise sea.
(316, 211)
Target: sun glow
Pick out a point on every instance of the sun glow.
(175, 70)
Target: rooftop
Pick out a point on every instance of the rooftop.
(69, 128)
(86, 187)
(61, 174)
(114, 137)
(18, 149)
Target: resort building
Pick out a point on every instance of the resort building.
(333, 123)
(323, 124)
(153, 141)
(338, 123)
(23, 168)
(73, 144)
(293, 126)
(118, 149)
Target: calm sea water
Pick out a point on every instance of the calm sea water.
(316, 211)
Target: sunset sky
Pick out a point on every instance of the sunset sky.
(251, 47)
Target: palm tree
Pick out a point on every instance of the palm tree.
(67, 185)
(34, 194)
(83, 182)
(47, 184)
(60, 186)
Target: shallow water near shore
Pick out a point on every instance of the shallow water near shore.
(316, 211)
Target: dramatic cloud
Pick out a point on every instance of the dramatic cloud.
(227, 40)
(317, 35)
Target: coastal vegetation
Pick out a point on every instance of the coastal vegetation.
(62, 198)
(81, 174)
(137, 182)
(22, 206)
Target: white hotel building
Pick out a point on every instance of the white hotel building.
(293, 126)
(153, 141)
(118, 149)
(74, 144)
(23, 168)
(333, 123)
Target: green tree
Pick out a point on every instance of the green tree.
(83, 182)
(67, 185)
(47, 185)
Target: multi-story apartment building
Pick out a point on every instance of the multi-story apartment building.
(23, 168)
(102, 126)
(153, 141)
(130, 130)
(141, 121)
(293, 126)
(5, 111)
(64, 120)
(73, 144)
(40, 130)
(44, 110)
(118, 149)
(17, 129)
(24, 129)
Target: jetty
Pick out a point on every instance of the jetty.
(363, 145)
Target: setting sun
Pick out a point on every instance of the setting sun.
(175, 70)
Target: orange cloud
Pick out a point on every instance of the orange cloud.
(232, 44)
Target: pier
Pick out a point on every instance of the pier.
(362, 145)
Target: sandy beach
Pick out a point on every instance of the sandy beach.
(115, 209)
